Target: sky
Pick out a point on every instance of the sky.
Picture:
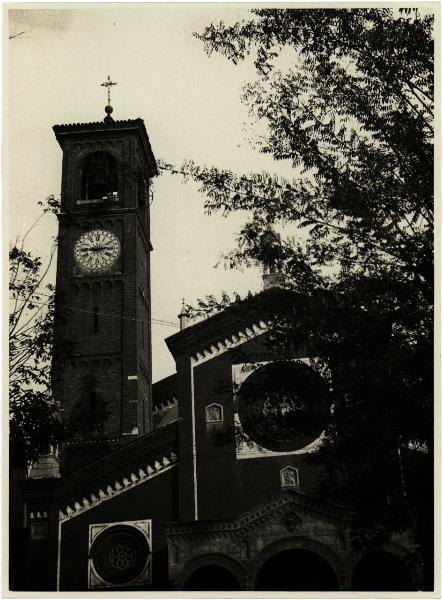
(55, 61)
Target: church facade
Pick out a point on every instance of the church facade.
(201, 481)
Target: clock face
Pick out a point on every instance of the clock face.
(97, 250)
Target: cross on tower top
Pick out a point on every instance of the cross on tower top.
(108, 84)
(108, 109)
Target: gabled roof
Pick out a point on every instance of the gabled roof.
(137, 126)
(164, 392)
(165, 401)
(239, 321)
(147, 453)
(116, 486)
(290, 505)
(166, 416)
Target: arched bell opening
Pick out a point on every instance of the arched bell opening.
(212, 578)
(296, 570)
(99, 177)
(382, 572)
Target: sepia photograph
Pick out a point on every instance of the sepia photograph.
(219, 236)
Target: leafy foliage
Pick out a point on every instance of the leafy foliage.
(345, 97)
(33, 412)
(209, 305)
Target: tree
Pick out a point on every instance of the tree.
(353, 115)
(33, 412)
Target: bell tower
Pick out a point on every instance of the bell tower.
(102, 335)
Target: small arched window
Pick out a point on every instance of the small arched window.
(99, 177)
(96, 419)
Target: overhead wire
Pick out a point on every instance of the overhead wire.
(163, 322)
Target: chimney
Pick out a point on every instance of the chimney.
(273, 280)
(271, 243)
(183, 316)
(46, 466)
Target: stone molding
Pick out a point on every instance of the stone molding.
(232, 341)
(93, 441)
(96, 124)
(164, 406)
(117, 127)
(285, 507)
(118, 487)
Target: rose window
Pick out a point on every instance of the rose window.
(120, 554)
(283, 406)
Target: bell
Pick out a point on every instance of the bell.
(99, 177)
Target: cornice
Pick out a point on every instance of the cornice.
(65, 130)
(115, 124)
(212, 349)
(98, 212)
(164, 406)
(245, 320)
(126, 456)
(118, 487)
(286, 506)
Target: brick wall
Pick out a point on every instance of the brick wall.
(103, 330)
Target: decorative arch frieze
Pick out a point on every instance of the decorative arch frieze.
(94, 362)
(82, 149)
(117, 487)
(225, 344)
(165, 405)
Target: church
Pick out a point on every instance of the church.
(200, 481)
